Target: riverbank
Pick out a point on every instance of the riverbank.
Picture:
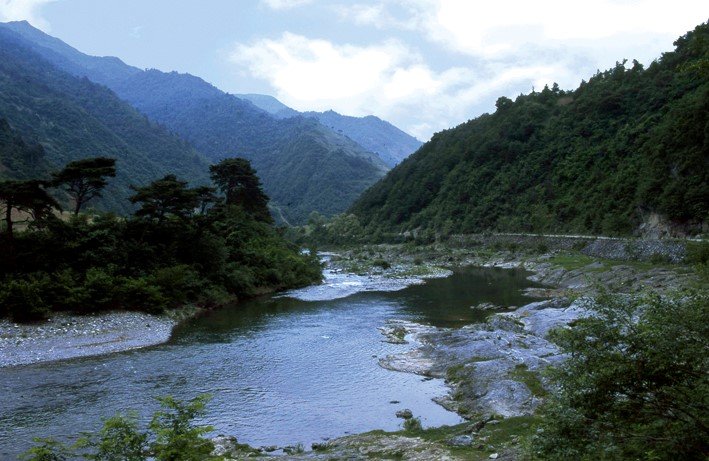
(65, 336)
(493, 368)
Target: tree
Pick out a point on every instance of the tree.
(166, 196)
(205, 197)
(25, 196)
(237, 180)
(85, 179)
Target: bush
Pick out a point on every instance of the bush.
(176, 437)
(659, 258)
(635, 385)
(413, 425)
(140, 294)
(22, 300)
(171, 436)
(381, 263)
(100, 290)
(697, 253)
(180, 283)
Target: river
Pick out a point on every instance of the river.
(284, 369)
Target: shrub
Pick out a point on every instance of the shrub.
(697, 253)
(119, 439)
(635, 385)
(180, 283)
(140, 294)
(413, 425)
(659, 258)
(22, 300)
(381, 263)
(171, 436)
(100, 290)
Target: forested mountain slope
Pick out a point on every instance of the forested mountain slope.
(18, 159)
(628, 144)
(303, 165)
(73, 118)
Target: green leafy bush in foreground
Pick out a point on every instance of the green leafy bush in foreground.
(170, 436)
(635, 385)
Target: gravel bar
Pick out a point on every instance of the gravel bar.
(66, 336)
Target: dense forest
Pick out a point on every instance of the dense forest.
(628, 143)
(304, 165)
(183, 244)
(73, 118)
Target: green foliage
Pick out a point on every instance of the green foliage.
(241, 187)
(85, 179)
(23, 300)
(413, 425)
(47, 450)
(173, 252)
(171, 435)
(593, 160)
(381, 263)
(118, 440)
(28, 196)
(18, 159)
(697, 253)
(176, 437)
(635, 385)
(165, 197)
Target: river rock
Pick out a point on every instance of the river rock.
(224, 445)
(461, 441)
(488, 357)
(404, 414)
(486, 307)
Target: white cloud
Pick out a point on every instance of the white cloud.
(483, 50)
(28, 10)
(500, 27)
(388, 79)
(285, 4)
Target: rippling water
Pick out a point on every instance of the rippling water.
(282, 370)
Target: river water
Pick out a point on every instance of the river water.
(285, 369)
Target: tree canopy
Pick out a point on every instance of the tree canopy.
(237, 180)
(85, 179)
(629, 144)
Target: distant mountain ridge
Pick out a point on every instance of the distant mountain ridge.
(377, 135)
(73, 118)
(303, 164)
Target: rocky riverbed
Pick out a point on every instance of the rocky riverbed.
(66, 336)
(494, 368)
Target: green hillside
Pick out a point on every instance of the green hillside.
(73, 118)
(629, 143)
(304, 165)
(18, 159)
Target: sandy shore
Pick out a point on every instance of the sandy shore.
(66, 336)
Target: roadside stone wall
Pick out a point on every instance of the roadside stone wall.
(601, 247)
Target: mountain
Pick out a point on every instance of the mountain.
(629, 147)
(270, 104)
(374, 134)
(18, 159)
(304, 166)
(73, 118)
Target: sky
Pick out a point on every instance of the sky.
(423, 65)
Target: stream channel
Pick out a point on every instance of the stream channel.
(297, 367)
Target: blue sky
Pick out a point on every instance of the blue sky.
(424, 65)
